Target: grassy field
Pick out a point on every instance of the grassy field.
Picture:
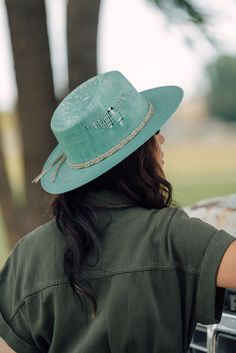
(201, 170)
(4, 248)
(197, 170)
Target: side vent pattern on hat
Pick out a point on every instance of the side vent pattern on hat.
(114, 114)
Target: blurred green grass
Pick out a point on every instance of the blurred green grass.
(4, 246)
(187, 195)
(199, 170)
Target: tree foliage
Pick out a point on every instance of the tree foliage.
(222, 79)
(187, 12)
(171, 8)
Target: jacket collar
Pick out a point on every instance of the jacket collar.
(109, 199)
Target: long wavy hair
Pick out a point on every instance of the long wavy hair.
(139, 176)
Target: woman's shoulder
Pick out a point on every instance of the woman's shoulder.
(35, 262)
(40, 244)
(46, 231)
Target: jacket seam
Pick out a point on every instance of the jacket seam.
(132, 269)
(187, 269)
(33, 292)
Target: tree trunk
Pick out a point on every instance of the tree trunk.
(82, 22)
(12, 213)
(36, 102)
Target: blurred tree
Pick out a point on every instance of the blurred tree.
(183, 12)
(82, 22)
(182, 9)
(12, 214)
(221, 96)
(36, 101)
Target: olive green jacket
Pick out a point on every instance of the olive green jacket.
(154, 281)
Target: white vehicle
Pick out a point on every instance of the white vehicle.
(220, 338)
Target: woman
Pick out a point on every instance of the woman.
(119, 268)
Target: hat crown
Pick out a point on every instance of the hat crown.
(97, 115)
(100, 123)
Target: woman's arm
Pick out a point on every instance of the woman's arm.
(4, 348)
(226, 275)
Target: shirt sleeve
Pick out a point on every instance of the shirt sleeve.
(13, 339)
(198, 248)
(14, 326)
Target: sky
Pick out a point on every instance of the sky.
(135, 38)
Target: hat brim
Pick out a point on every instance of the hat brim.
(165, 101)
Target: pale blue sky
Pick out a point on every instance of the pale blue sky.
(135, 38)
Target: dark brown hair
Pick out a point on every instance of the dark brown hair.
(139, 177)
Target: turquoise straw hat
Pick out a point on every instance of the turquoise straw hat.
(100, 123)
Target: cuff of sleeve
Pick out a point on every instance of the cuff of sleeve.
(210, 299)
(13, 340)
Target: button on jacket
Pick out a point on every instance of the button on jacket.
(154, 281)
